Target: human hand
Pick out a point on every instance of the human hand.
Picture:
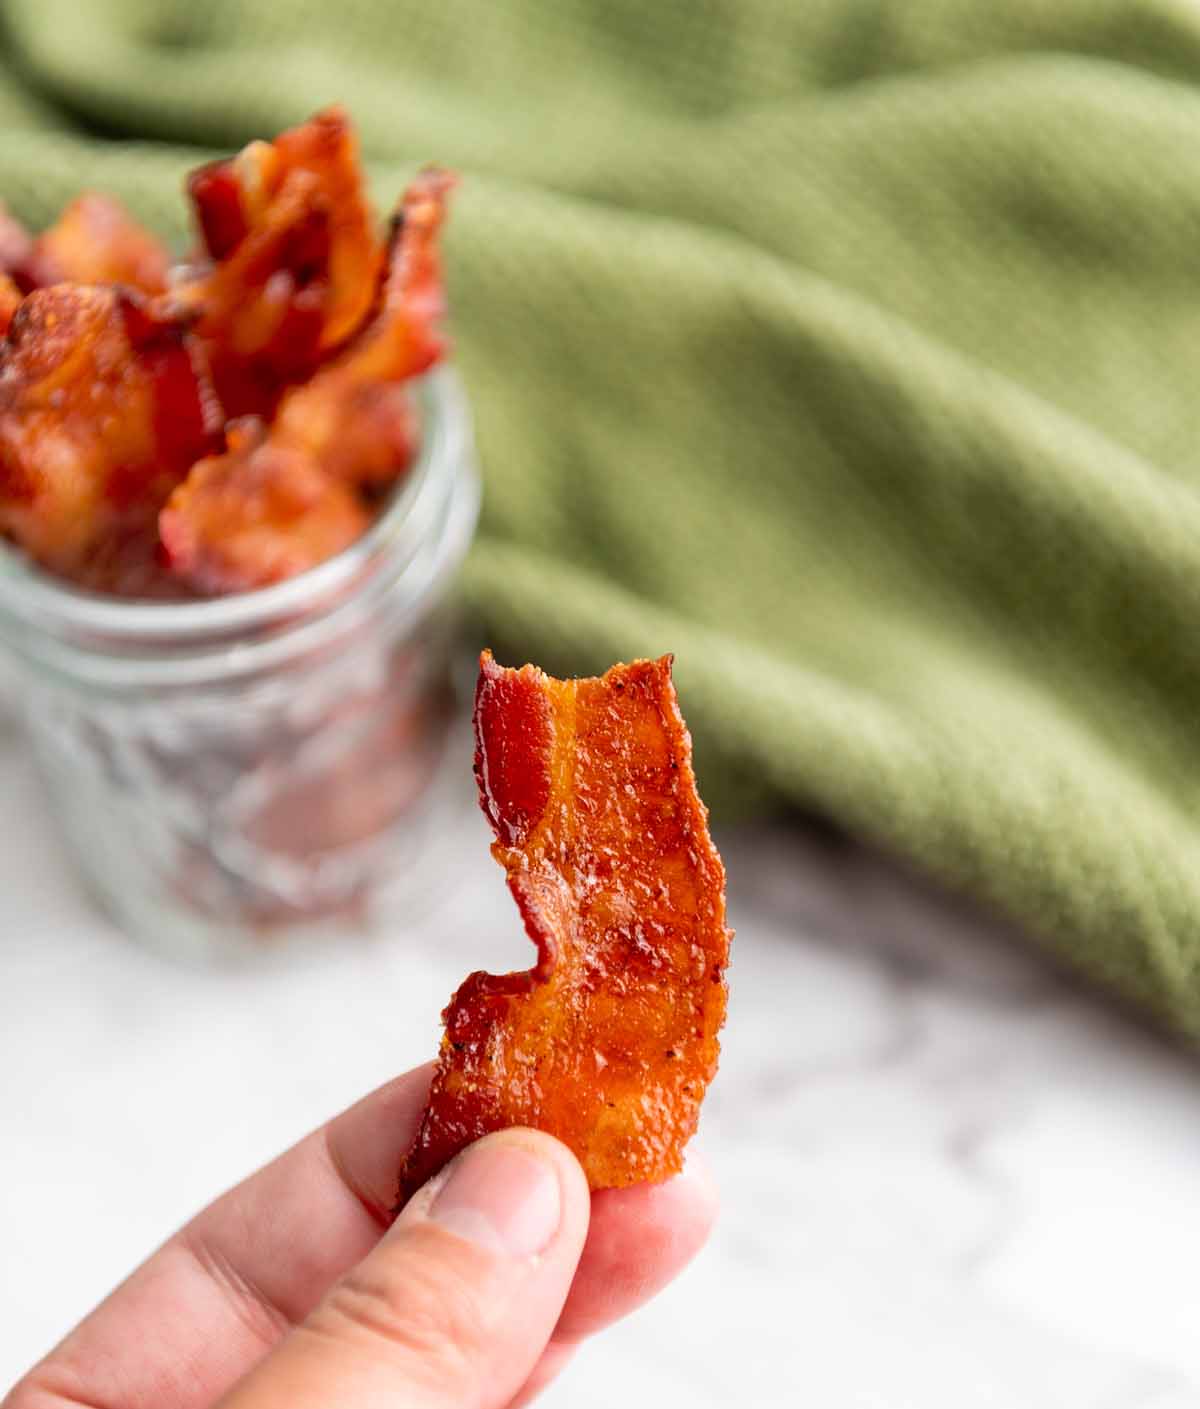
(292, 1290)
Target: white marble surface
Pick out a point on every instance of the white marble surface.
(949, 1178)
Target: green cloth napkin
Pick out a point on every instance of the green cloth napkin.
(849, 349)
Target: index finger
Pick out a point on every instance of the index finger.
(217, 1295)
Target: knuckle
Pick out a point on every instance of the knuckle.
(246, 1300)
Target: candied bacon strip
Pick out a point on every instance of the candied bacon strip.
(236, 523)
(103, 407)
(95, 241)
(610, 1041)
(353, 416)
(257, 514)
(295, 259)
(233, 198)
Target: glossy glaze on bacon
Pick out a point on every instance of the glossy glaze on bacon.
(609, 1041)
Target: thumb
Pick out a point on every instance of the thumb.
(455, 1304)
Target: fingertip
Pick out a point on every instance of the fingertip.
(675, 1216)
(696, 1186)
(639, 1240)
(552, 1150)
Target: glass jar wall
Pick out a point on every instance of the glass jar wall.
(228, 770)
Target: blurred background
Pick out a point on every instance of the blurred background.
(847, 350)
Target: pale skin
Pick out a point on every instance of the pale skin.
(293, 1290)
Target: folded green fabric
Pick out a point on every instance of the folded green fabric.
(846, 348)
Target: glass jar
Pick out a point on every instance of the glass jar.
(231, 769)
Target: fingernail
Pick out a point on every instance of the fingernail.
(502, 1197)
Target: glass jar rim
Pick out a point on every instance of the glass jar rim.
(426, 528)
(27, 590)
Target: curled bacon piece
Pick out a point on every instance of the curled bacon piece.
(353, 415)
(103, 408)
(281, 500)
(95, 241)
(257, 514)
(295, 259)
(610, 1041)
